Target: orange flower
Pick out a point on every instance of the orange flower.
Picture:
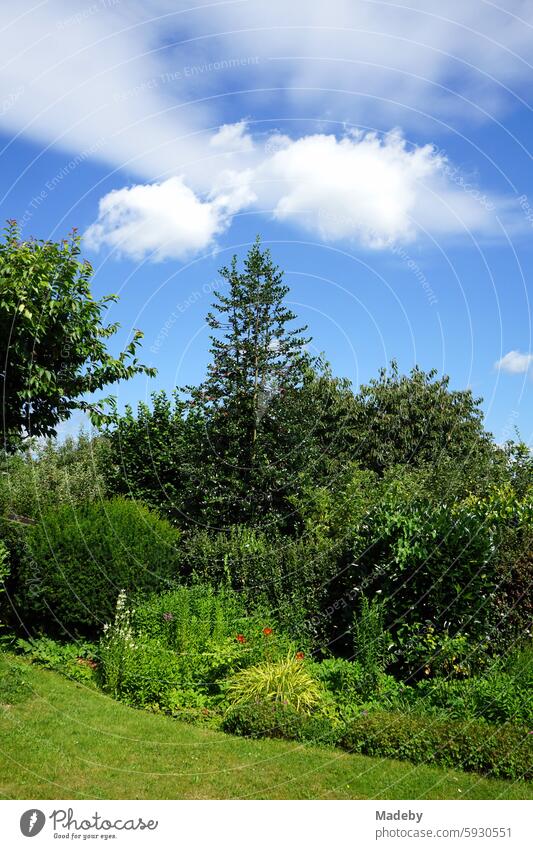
(300, 655)
(267, 632)
(240, 638)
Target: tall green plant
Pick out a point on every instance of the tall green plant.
(371, 640)
(53, 339)
(258, 361)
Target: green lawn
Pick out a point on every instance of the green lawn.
(64, 741)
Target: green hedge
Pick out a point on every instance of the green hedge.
(75, 560)
(504, 751)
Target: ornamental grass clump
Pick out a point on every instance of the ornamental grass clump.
(285, 682)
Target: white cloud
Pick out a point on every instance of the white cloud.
(232, 138)
(116, 79)
(113, 76)
(360, 189)
(515, 363)
(164, 220)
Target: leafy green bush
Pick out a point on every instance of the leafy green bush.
(274, 719)
(45, 476)
(285, 681)
(75, 561)
(148, 673)
(77, 660)
(214, 633)
(192, 617)
(495, 698)
(344, 679)
(288, 576)
(501, 752)
(426, 651)
(135, 669)
(372, 643)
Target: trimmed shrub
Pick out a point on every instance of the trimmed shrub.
(75, 561)
(501, 752)
(272, 719)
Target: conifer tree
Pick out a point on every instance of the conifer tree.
(258, 360)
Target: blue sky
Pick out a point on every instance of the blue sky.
(382, 150)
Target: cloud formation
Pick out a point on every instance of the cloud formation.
(135, 81)
(143, 85)
(515, 362)
(162, 220)
(360, 189)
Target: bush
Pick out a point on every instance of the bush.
(136, 669)
(148, 673)
(285, 682)
(500, 752)
(74, 660)
(423, 650)
(344, 679)
(495, 698)
(288, 576)
(273, 719)
(504, 751)
(192, 617)
(70, 472)
(372, 643)
(75, 561)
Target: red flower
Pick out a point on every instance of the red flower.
(300, 655)
(240, 638)
(267, 632)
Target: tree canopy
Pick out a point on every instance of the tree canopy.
(53, 339)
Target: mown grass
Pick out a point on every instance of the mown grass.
(61, 740)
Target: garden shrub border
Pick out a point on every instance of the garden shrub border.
(504, 751)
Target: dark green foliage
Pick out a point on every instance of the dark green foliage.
(501, 752)
(53, 342)
(289, 576)
(494, 697)
(416, 419)
(75, 560)
(258, 361)
(372, 643)
(271, 719)
(153, 453)
(429, 563)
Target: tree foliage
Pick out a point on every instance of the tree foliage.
(417, 419)
(53, 339)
